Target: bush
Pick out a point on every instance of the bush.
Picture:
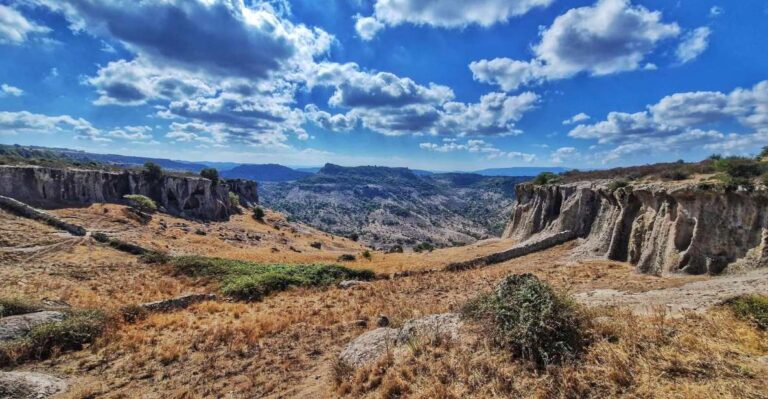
(346, 258)
(258, 214)
(316, 245)
(367, 255)
(211, 174)
(739, 167)
(763, 153)
(153, 172)
(141, 202)
(154, 257)
(354, 237)
(424, 246)
(617, 184)
(675, 174)
(544, 178)
(527, 317)
(753, 308)
(252, 281)
(17, 306)
(234, 201)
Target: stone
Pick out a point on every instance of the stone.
(431, 328)
(181, 302)
(29, 385)
(369, 346)
(14, 327)
(353, 284)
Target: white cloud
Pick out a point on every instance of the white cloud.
(135, 133)
(609, 37)
(367, 27)
(580, 117)
(443, 13)
(485, 149)
(8, 90)
(15, 28)
(716, 11)
(694, 43)
(563, 154)
(23, 122)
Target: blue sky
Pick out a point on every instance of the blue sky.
(429, 84)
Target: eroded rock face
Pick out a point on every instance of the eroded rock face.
(14, 327)
(191, 197)
(28, 385)
(659, 227)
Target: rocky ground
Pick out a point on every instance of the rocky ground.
(288, 345)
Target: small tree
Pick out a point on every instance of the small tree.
(153, 171)
(211, 174)
(234, 200)
(258, 214)
(141, 203)
(763, 154)
(547, 178)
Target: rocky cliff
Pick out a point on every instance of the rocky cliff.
(191, 197)
(658, 227)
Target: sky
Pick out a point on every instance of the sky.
(428, 84)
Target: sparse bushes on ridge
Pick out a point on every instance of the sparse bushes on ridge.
(527, 317)
(153, 171)
(753, 308)
(252, 281)
(211, 174)
(77, 329)
(258, 214)
(617, 184)
(544, 178)
(739, 167)
(424, 246)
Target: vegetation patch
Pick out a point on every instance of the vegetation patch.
(252, 281)
(545, 178)
(141, 203)
(617, 184)
(78, 328)
(753, 308)
(17, 306)
(527, 317)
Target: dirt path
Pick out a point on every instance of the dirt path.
(695, 296)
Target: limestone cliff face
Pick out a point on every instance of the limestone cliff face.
(191, 197)
(659, 227)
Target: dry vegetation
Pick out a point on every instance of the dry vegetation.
(286, 345)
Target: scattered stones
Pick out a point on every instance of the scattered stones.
(29, 385)
(374, 344)
(14, 327)
(353, 284)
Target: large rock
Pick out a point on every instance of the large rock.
(14, 327)
(659, 227)
(28, 385)
(185, 196)
(374, 344)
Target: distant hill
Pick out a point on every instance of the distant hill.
(264, 173)
(520, 171)
(386, 206)
(311, 169)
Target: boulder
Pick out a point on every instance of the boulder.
(14, 327)
(29, 385)
(353, 284)
(177, 303)
(431, 328)
(369, 347)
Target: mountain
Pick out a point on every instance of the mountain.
(264, 173)
(386, 206)
(309, 169)
(521, 171)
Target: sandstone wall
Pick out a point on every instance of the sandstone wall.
(662, 227)
(191, 197)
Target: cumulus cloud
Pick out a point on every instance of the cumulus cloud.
(694, 43)
(135, 133)
(15, 29)
(485, 149)
(682, 120)
(13, 123)
(443, 13)
(335, 123)
(609, 37)
(563, 154)
(580, 117)
(222, 37)
(8, 90)
(716, 11)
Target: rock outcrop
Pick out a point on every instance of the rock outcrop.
(15, 327)
(29, 385)
(184, 196)
(658, 227)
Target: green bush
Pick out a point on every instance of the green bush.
(258, 214)
(234, 200)
(252, 281)
(544, 178)
(617, 184)
(154, 257)
(527, 317)
(424, 246)
(153, 171)
(739, 167)
(16, 306)
(753, 308)
(141, 202)
(367, 255)
(675, 174)
(211, 174)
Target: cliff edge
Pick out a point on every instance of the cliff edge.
(658, 227)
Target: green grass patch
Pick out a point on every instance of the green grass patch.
(753, 308)
(527, 317)
(16, 306)
(252, 281)
(44, 341)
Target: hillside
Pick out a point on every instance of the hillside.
(264, 173)
(388, 206)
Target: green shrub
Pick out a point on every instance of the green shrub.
(141, 202)
(527, 317)
(617, 184)
(252, 281)
(763, 153)
(16, 306)
(739, 167)
(153, 172)
(753, 308)
(544, 178)
(211, 174)
(234, 200)
(675, 174)
(367, 254)
(346, 258)
(424, 246)
(154, 257)
(258, 214)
